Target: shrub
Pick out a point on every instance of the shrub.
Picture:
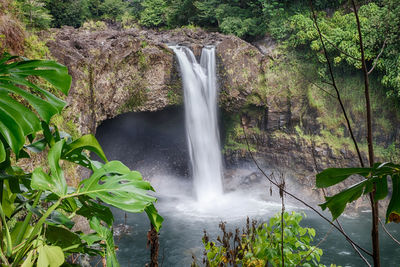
(260, 244)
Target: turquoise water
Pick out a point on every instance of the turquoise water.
(180, 238)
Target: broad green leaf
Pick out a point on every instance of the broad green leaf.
(92, 209)
(69, 205)
(393, 209)
(52, 99)
(57, 219)
(155, 218)
(88, 142)
(6, 234)
(48, 136)
(50, 256)
(8, 199)
(11, 131)
(29, 261)
(381, 185)
(2, 153)
(16, 119)
(16, 231)
(37, 146)
(53, 72)
(385, 169)
(42, 181)
(62, 237)
(26, 118)
(91, 238)
(117, 185)
(43, 108)
(56, 171)
(122, 188)
(55, 183)
(106, 235)
(333, 176)
(337, 203)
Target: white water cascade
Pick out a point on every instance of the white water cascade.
(200, 101)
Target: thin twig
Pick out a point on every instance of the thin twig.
(334, 85)
(374, 203)
(281, 194)
(340, 50)
(354, 247)
(328, 83)
(388, 233)
(377, 58)
(300, 200)
(316, 85)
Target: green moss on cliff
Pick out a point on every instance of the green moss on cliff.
(290, 86)
(66, 125)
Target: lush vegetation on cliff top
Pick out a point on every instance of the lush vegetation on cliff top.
(288, 22)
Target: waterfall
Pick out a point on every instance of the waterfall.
(200, 101)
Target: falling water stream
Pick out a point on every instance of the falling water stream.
(154, 144)
(200, 102)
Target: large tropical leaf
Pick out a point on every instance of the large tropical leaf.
(337, 203)
(332, 176)
(393, 210)
(73, 151)
(376, 180)
(17, 120)
(50, 256)
(105, 235)
(117, 185)
(112, 183)
(55, 182)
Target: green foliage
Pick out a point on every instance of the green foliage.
(235, 138)
(128, 20)
(154, 13)
(181, 12)
(94, 25)
(17, 121)
(35, 14)
(67, 12)
(243, 19)
(260, 245)
(341, 39)
(113, 9)
(376, 176)
(174, 98)
(43, 236)
(35, 48)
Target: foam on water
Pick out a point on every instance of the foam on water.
(175, 197)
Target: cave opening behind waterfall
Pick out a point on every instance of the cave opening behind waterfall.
(152, 143)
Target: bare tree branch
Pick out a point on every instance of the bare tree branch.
(355, 248)
(300, 200)
(377, 58)
(340, 50)
(374, 203)
(316, 85)
(328, 83)
(388, 233)
(334, 84)
(282, 195)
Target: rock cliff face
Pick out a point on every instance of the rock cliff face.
(117, 71)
